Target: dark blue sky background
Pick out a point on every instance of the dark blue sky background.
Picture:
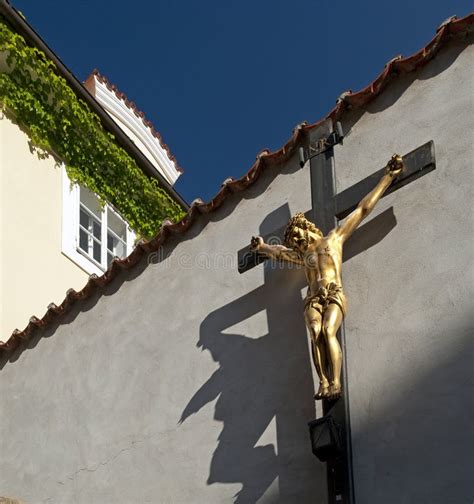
(221, 80)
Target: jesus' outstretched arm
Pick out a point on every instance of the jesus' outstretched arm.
(278, 252)
(367, 204)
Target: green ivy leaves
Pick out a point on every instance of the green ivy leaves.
(60, 123)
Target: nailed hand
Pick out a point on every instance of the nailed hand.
(395, 165)
(256, 242)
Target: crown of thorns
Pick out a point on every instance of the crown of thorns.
(300, 221)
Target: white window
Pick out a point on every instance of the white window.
(92, 236)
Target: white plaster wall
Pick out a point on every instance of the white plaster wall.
(33, 272)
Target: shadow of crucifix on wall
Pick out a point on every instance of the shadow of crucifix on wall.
(267, 379)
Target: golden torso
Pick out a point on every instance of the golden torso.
(323, 262)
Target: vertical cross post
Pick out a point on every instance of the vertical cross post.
(339, 469)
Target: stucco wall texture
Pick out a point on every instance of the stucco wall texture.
(410, 324)
(186, 382)
(119, 404)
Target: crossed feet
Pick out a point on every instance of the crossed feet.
(328, 391)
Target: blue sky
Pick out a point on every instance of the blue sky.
(221, 80)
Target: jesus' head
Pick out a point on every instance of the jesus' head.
(300, 232)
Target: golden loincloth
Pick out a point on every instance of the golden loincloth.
(331, 294)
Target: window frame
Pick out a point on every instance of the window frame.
(70, 230)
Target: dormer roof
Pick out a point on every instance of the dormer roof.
(134, 124)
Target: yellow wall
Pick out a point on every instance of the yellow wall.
(33, 271)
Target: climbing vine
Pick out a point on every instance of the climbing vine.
(59, 122)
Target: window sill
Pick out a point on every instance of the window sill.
(84, 262)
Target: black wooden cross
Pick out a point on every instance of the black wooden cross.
(327, 208)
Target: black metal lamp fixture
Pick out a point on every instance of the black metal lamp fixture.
(326, 442)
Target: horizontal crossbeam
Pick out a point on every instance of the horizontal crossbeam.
(417, 163)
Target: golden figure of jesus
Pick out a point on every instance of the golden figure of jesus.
(325, 305)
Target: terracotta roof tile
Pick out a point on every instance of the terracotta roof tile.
(131, 105)
(265, 159)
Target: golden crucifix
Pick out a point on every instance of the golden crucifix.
(325, 305)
